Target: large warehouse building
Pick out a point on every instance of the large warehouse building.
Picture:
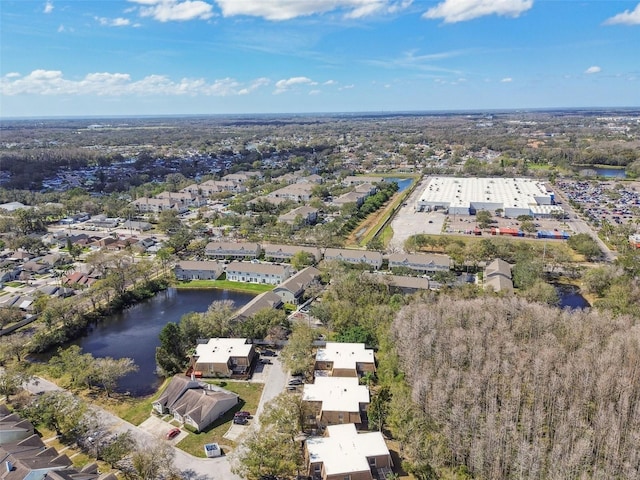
(466, 196)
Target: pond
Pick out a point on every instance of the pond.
(611, 172)
(403, 183)
(570, 297)
(134, 332)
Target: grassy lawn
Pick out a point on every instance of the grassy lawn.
(133, 410)
(249, 399)
(386, 235)
(14, 284)
(227, 285)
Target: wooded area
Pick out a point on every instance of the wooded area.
(516, 390)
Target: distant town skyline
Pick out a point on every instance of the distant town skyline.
(175, 57)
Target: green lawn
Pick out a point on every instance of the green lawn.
(133, 410)
(250, 394)
(227, 285)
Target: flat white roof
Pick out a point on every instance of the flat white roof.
(218, 350)
(462, 192)
(345, 355)
(337, 394)
(345, 450)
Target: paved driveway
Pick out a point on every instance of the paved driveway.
(192, 468)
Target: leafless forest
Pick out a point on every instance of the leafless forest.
(525, 391)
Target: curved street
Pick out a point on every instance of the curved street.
(191, 468)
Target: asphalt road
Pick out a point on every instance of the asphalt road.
(192, 468)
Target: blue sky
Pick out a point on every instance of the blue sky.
(146, 57)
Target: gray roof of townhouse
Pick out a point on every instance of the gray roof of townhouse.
(498, 267)
(206, 265)
(274, 250)
(258, 268)
(300, 280)
(357, 255)
(232, 247)
(420, 259)
(260, 302)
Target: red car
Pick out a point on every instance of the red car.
(243, 414)
(174, 432)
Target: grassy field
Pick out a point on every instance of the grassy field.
(227, 285)
(250, 394)
(133, 410)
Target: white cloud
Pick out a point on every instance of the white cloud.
(278, 10)
(286, 84)
(61, 28)
(52, 82)
(113, 22)
(452, 11)
(259, 82)
(507, 80)
(48, 7)
(347, 87)
(315, 92)
(175, 10)
(593, 69)
(625, 18)
(330, 82)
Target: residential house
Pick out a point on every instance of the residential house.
(350, 197)
(211, 187)
(194, 403)
(298, 192)
(424, 263)
(497, 275)
(13, 428)
(301, 215)
(292, 289)
(373, 259)
(352, 180)
(157, 205)
(137, 226)
(198, 270)
(345, 454)
(344, 360)
(9, 271)
(223, 357)
(184, 199)
(402, 283)
(366, 188)
(336, 400)
(257, 272)
(260, 302)
(79, 279)
(313, 178)
(284, 253)
(227, 250)
(30, 458)
(240, 177)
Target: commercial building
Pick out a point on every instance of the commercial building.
(466, 196)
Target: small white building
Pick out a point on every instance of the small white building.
(345, 359)
(373, 259)
(198, 270)
(336, 400)
(344, 453)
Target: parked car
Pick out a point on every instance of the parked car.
(266, 361)
(296, 381)
(240, 420)
(242, 413)
(174, 432)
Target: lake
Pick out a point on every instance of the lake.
(134, 332)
